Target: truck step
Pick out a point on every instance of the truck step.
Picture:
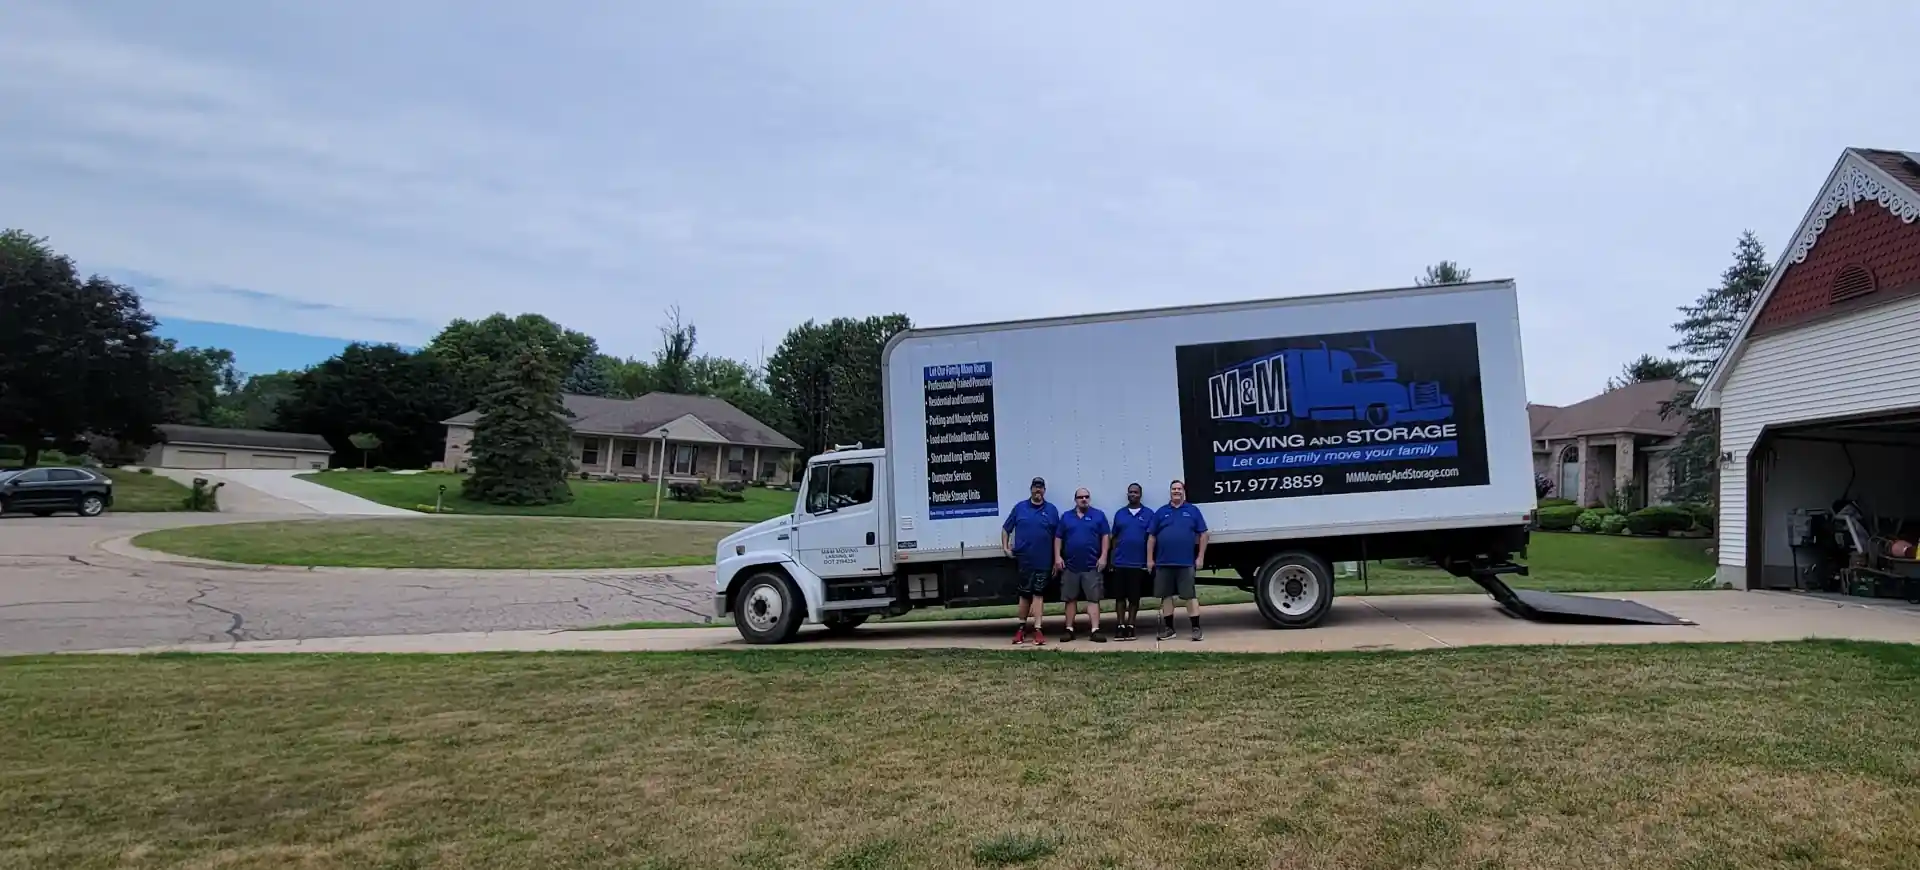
(1555, 607)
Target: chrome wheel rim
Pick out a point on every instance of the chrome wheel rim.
(1293, 590)
(764, 607)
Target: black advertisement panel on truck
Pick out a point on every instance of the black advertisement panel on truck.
(962, 470)
(1383, 410)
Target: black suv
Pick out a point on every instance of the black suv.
(44, 491)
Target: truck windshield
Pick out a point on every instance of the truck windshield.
(839, 486)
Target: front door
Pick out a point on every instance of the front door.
(31, 489)
(836, 534)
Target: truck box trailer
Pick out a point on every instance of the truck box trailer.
(1310, 430)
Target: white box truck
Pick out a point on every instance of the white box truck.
(1311, 431)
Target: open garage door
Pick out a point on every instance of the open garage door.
(1835, 507)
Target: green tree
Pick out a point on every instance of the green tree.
(256, 405)
(671, 372)
(826, 377)
(400, 396)
(1706, 330)
(198, 382)
(630, 378)
(76, 356)
(740, 384)
(1646, 369)
(1444, 272)
(365, 442)
(520, 454)
(476, 352)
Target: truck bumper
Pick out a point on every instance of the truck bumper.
(720, 604)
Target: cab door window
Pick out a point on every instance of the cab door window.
(839, 486)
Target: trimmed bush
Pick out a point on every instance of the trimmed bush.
(1613, 525)
(1557, 519)
(1590, 520)
(1703, 516)
(1659, 520)
(144, 470)
(1556, 502)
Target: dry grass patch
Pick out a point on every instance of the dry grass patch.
(448, 542)
(1659, 757)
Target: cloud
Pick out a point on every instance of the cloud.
(374, 170)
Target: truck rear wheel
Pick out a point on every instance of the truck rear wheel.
(769, 609)
(1294, 589)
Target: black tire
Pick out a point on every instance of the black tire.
(1294, 589)
(769, 609)
(43, 514)
(1377, 415)
(92, 506)
(844, 625)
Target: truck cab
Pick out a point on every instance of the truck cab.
(828, 562)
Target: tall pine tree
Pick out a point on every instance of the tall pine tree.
(520, 442)
(1706, 330)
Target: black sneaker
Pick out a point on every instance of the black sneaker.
(1120, 632)
(1196, 634)
(1166, 631)
(1067, 635)
(1098, 637)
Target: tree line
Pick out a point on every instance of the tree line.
(81, 370)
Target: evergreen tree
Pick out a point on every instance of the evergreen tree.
(520, 441)
(1444, 272)
(1706, 331)
(1647, 368)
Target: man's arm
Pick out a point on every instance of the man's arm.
(1101, 565)
(1150, 537)
(1057, 561)
(1200, 556)
(1006, 535)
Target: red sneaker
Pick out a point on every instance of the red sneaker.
(1038, 638)
(1020, 635)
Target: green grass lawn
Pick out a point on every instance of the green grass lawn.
(1559, 563)
(1658, 757)
(138, 493)
(591, 498)
(555, 543)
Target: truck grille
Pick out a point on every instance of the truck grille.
(1427, 393)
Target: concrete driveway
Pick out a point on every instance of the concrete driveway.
(1398, 622)
(59, 591)
(282, 493)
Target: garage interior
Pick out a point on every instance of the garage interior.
(1834, 507)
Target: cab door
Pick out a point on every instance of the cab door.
(837, 532)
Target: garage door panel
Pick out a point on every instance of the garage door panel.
(273, 460)
(199, 459)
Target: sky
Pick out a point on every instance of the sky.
(362, 170)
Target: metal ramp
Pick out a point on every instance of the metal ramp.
(1554, 607)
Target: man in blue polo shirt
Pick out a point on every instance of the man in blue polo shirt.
(1080, 553)
(1027, 537)
(1130, 578)
(1177, 547)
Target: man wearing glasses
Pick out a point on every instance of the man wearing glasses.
(1080, 554)
(1027, 537)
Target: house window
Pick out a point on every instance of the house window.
(590, 453)
(737, 462)
(630, 455)
(768, 468)
(683, 458)
(1570, 473)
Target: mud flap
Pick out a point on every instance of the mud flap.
(1555, 607)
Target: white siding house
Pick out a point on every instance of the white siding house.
(1819, 394)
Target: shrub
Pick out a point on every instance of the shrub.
(146, 471)
(1613, 525)
(731, 495)
(1558, 518)
(1659, 520)
(733, 486)
(1590, 520)
(202, 497)
(1556, 502)
(12, 453)
(685, 491)
(381, 469)
(1703, 516)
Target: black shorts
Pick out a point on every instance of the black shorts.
(1128, 584)
(1033, 584)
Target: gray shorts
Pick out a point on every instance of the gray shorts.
(1175, 581)
(1082, 586)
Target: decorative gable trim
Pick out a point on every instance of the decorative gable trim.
(1856, 182)
(1853, 180)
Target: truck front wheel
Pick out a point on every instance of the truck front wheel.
(1294, 589)
(769, 609)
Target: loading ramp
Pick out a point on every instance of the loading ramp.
(1555, 607)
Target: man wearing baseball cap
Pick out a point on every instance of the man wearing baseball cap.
(1027, 537)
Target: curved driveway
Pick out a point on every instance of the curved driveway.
(60, 591)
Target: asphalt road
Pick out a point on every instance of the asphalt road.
(59, 591)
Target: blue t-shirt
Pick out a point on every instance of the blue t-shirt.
(1080, 538)
(1130, 531)
(1176, 534)
(1033, 528)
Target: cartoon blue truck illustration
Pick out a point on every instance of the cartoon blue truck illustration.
(1323, 383)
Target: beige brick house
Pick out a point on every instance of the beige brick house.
(706, 439)
(1614, 442)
